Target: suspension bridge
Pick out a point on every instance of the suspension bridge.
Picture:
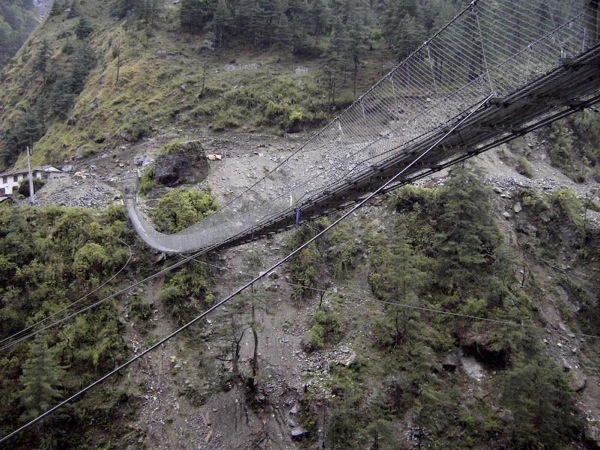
(498, 70)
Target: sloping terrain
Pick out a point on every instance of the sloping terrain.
(460, 313)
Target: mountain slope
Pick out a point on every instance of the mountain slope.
(17, 19)
(447, 316)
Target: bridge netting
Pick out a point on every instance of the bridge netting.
(493, 47)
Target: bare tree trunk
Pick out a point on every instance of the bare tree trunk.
(202, 86)
(118, 63)
(255, 334)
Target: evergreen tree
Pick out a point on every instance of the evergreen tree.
(283, 34)
(544, 410)
(194, 15)
(335, 59)
(123, 8)
(17, 20)
(83, 62)
(262, 22)
(40, 380)
(398, 278)
(402, 28)
(58, 7)
(468, 236)
(244, 16)
(84, 28)
(303, 41)
(140, 10)
(222, 22)
(61, 96)
(322, 17)
(27, 130)
(357, 37)
(42, 58)
(75, 10)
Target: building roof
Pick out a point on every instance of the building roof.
(45, 169)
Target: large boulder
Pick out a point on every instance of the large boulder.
(181, 163)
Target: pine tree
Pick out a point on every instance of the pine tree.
(468, 236)
(28, 129)
(301, 24)
(543, 407)
(123, 8)
(194, 15)
(335, 59)
(83, 62)
(84, 28)
(222, 22)
(398, 278)
(283, 34)
(244, 16)
(75, 10)
(357, 37)
(42, 58)
(402, 28)
(321, 17)
(57, 7)
(40, 380)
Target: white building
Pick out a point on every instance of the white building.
(12, 179)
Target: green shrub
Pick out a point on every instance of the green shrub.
(523, 167)
(181, 208)
(568, 206)
(24, 186)
(147, 182)
(185, 292)
(171, 145)
(325, 329)
(544, 410)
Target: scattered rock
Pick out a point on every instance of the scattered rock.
(450, 363)
(518, 207)
(592, 432)
(578, 381)
(297, 433)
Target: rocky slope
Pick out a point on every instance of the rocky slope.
(181, 403)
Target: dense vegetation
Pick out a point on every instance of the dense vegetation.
(444, 252)
(17, 20)
(50, 258)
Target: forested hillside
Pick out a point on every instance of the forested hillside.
(138, 66)
(17, 19)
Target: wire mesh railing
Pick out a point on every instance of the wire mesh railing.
(492, 47)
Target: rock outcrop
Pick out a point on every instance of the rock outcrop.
(181, 163)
